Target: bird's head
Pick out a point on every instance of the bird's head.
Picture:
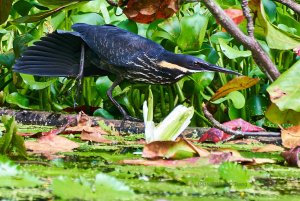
(190, 64)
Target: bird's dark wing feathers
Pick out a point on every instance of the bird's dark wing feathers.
(117, 46)
(54, 55)
(57, 54)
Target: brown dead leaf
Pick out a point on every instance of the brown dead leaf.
(83, 119)
(165, 163)
(50, 145)
(238, 83)
(146, 11)
(180, 148)
(94, 137)
(292, 156)
(291, 137)
(268, 148)
(84, 124)
(232, 155)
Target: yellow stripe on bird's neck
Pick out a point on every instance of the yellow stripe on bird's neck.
(165, 64)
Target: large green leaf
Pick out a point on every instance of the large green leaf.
(29, 80)
(277, 116)
(193, 29)
(22, 7)
(5, 6)
(170, 29)
(285, 91)
(276, 38)
(18, 99)
(231, 52)
(202, 80)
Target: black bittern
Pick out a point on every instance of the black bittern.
(103, 50)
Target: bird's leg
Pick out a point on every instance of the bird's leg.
(80, 73)
(123, 112)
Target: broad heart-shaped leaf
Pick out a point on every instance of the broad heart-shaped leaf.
(193, 29)
(202, 80)
(29, 80)
(275, 115)
(276, 38)
(170, 30)
(236, 97)
(231, 52)
(18, 99)
(38, 16)
(285, 91)
(5, 6)
(238, 83)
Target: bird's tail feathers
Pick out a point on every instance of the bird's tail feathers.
(57, 54)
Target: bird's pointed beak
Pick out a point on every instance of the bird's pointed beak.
(205, 66)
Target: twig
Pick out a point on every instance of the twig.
(250, 24)
(112, 2)
(218, 125)
(259, 55)
(291, 4)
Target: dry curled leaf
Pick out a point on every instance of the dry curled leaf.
(292, 156)
(290, 137)
(50, 145)
(146, 11)
(238, 83)
(94, 137)
(178, 149)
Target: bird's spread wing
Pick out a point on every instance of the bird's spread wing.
(57, 54)
(117, 46)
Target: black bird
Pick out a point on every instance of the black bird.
(103, 50)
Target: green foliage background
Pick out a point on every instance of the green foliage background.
(193, 30)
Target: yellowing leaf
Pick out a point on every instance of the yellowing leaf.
(238, 83)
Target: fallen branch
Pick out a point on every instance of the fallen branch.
(218, 125)
(58, 119)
